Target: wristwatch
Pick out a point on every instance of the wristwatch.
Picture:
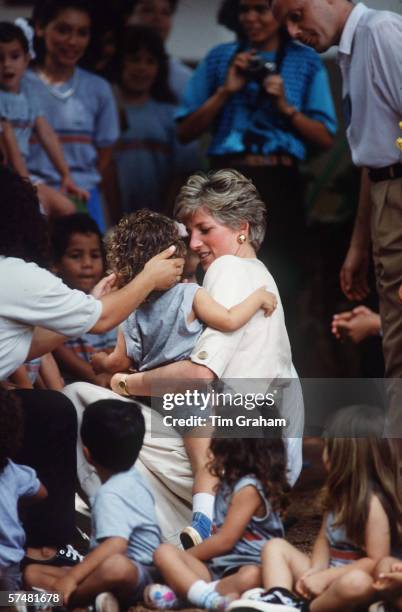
(122, 386)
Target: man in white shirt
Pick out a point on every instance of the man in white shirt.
(369, 55)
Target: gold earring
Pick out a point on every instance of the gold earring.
(241, 238)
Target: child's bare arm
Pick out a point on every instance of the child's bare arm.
(77, 367)
(50, 142)
(21, 379)
(243, 506)
(378, 533)
(230, 319)
(40, 495)
(69, 583)
(116, 361)
(12, 150)
(50, 373)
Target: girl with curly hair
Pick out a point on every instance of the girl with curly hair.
(362, 524)
(251, 494)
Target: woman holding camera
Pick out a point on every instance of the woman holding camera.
(263, 98)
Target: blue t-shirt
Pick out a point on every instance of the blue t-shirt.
(249, 121)
(148, 155)
(21, 111)
(247, 551)
(83, 114)
(16, 481)
(124, 507)
(158, 331)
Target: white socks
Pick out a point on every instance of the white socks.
(204, 502)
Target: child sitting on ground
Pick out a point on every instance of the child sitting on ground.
(251, 492)
(78, 258)
(20, 116)
(167, 326)
(18, 483)
(361, 525)
(124, 529)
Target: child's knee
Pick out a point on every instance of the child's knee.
(248, 577)
(164, 553)
(118, 569)
(355, 585)
(274, 547)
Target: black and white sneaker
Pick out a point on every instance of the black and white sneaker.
(64, 556)
(275, 600)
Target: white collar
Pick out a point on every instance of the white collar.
(346, 42)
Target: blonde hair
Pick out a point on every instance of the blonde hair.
(229, 197)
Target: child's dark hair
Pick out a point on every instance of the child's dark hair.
(362, 463)
(9, 32)
(113, 432)
(45, 11)
(130, 5)
(11, 426)
(23, 229)
(136, 38)
(136, 239)
(62, 228)
(264, 458)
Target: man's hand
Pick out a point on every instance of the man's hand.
(106, 285)
(354, 272)
(356, 324)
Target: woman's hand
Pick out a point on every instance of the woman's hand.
(164, 272)
(275, 87)
(106, 285)
(235, 78)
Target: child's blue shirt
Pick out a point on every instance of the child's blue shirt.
(21, 110)
(16, 481)
(83, 114)
(124, 507)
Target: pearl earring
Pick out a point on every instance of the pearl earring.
(241, 238)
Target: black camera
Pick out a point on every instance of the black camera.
(258, 69)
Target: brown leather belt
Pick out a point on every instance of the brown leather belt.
(388, 173)
(249, 159)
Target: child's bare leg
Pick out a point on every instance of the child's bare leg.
(282, 564)
(203, 491)
(43, 576)
(351, 591)
(179, 569)
(248, 577)
(116, 574)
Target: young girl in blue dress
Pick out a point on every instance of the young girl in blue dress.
(79, 105)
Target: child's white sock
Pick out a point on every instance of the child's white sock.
(204, 502)
(203, 595)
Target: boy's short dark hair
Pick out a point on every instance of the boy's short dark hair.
(113, 432)
(11, 426)
(62, 228)
(131, 4)
(9, 32)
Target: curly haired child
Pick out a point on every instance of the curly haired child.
(166, 327)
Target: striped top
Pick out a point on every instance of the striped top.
(83, 114)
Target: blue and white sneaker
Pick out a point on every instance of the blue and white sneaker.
(200, 530)
(275, 600)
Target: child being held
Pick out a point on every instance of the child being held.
(18, 483)
(20, 116)
(361, 525)
(78, 258)
(125, 532)
(251, 493)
